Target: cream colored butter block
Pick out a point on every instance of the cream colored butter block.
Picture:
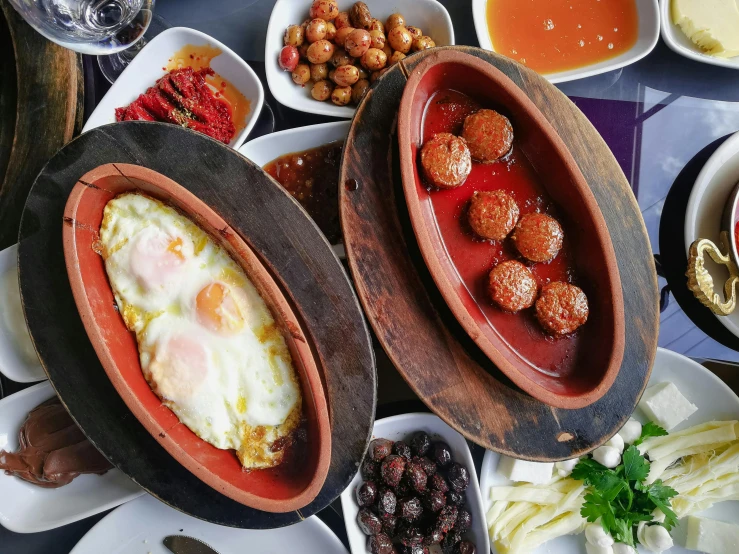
(713, 25)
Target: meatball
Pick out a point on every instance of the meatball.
(492, 214)
(489, 135)
(561, 308)
(538, 237)
(512, 286)
(446, 161)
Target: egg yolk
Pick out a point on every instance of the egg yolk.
(180, 368)
(217, 309)
(156, 259)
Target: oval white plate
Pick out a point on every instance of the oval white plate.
(148, 66)
(140, 527)
(14, 364)
(26, 508)
(266, 148)
(429, 15)
(715, 401)
(401, 427)
(706, 205)
(645, 42)
(680, 43)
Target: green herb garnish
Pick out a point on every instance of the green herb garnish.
(619, 497)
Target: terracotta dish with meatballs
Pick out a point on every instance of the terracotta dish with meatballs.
(510, 231)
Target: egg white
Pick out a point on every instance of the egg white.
(235, 388)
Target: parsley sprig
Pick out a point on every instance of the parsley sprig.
(619, 497)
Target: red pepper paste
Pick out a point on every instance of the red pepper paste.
(184, 98)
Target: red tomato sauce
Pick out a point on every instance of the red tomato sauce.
(474, 258)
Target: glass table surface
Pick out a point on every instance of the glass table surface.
(658, 116)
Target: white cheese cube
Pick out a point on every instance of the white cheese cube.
(665, 405)
(530, 472)
(711, 536)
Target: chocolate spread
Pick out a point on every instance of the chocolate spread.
(53, 450)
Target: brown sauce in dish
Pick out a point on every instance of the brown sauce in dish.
(312, 177)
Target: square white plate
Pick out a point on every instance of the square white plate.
(680, 43)
(148, 66)
(715, 401)
(646, 41)
(429, 15)
(18, 362)
(26, 508)
(401, 427)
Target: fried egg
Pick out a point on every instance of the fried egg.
(208, 344)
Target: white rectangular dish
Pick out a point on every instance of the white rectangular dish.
(680, 43)
(401, 427)
(18, 360)
(649, 23)
(429, 15)
(150, 65)
(27, 508)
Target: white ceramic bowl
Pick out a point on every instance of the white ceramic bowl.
(710, 193)
(26, 508)
(266, 148)
(680, 43)
(401, 427)
(646, 41)
(715, 401)
(148, 66)
(429, 15)
(17, 362)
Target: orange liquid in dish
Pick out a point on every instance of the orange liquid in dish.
(199, 57)
(558, 35)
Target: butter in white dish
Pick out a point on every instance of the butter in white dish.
(665, 405)
(712, 25)
(712, 536)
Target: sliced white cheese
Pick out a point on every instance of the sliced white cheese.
(713, 25)
(530, 472)
(666, 406)
(711, 536)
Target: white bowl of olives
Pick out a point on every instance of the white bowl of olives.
(322, 55)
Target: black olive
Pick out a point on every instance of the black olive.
(428, 466)
(367, 494)
(459, 477)
(464, 520)
(386, 501)
(389, 524)
(455, 498)
(416, 476)
(434, 536)
(380, 544)
(420, 443)
(465, 547)
(434, 501)
(370, 469)
(441, 454)
(403, 450)
(379, 449)
(451, 540)
(392, 470)
(368, 522)
(410, 508)
(447, 518)
(438, 483)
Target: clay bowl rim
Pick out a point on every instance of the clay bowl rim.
(265, 283)
(433, 262)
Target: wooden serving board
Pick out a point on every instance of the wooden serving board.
(277, 229)
(418, 331)
(41, 99)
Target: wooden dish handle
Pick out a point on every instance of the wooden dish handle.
(701, 282)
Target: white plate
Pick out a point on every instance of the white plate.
(401, 427)
(147, 67)
(16, 363)
(715, 401)
(139, 528)
(429, 15)
(680, 43)
(706, 205)
(266, 148)
(26, 508)
(646, 41)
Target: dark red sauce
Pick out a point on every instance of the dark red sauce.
(474, 258)
(312, 177)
